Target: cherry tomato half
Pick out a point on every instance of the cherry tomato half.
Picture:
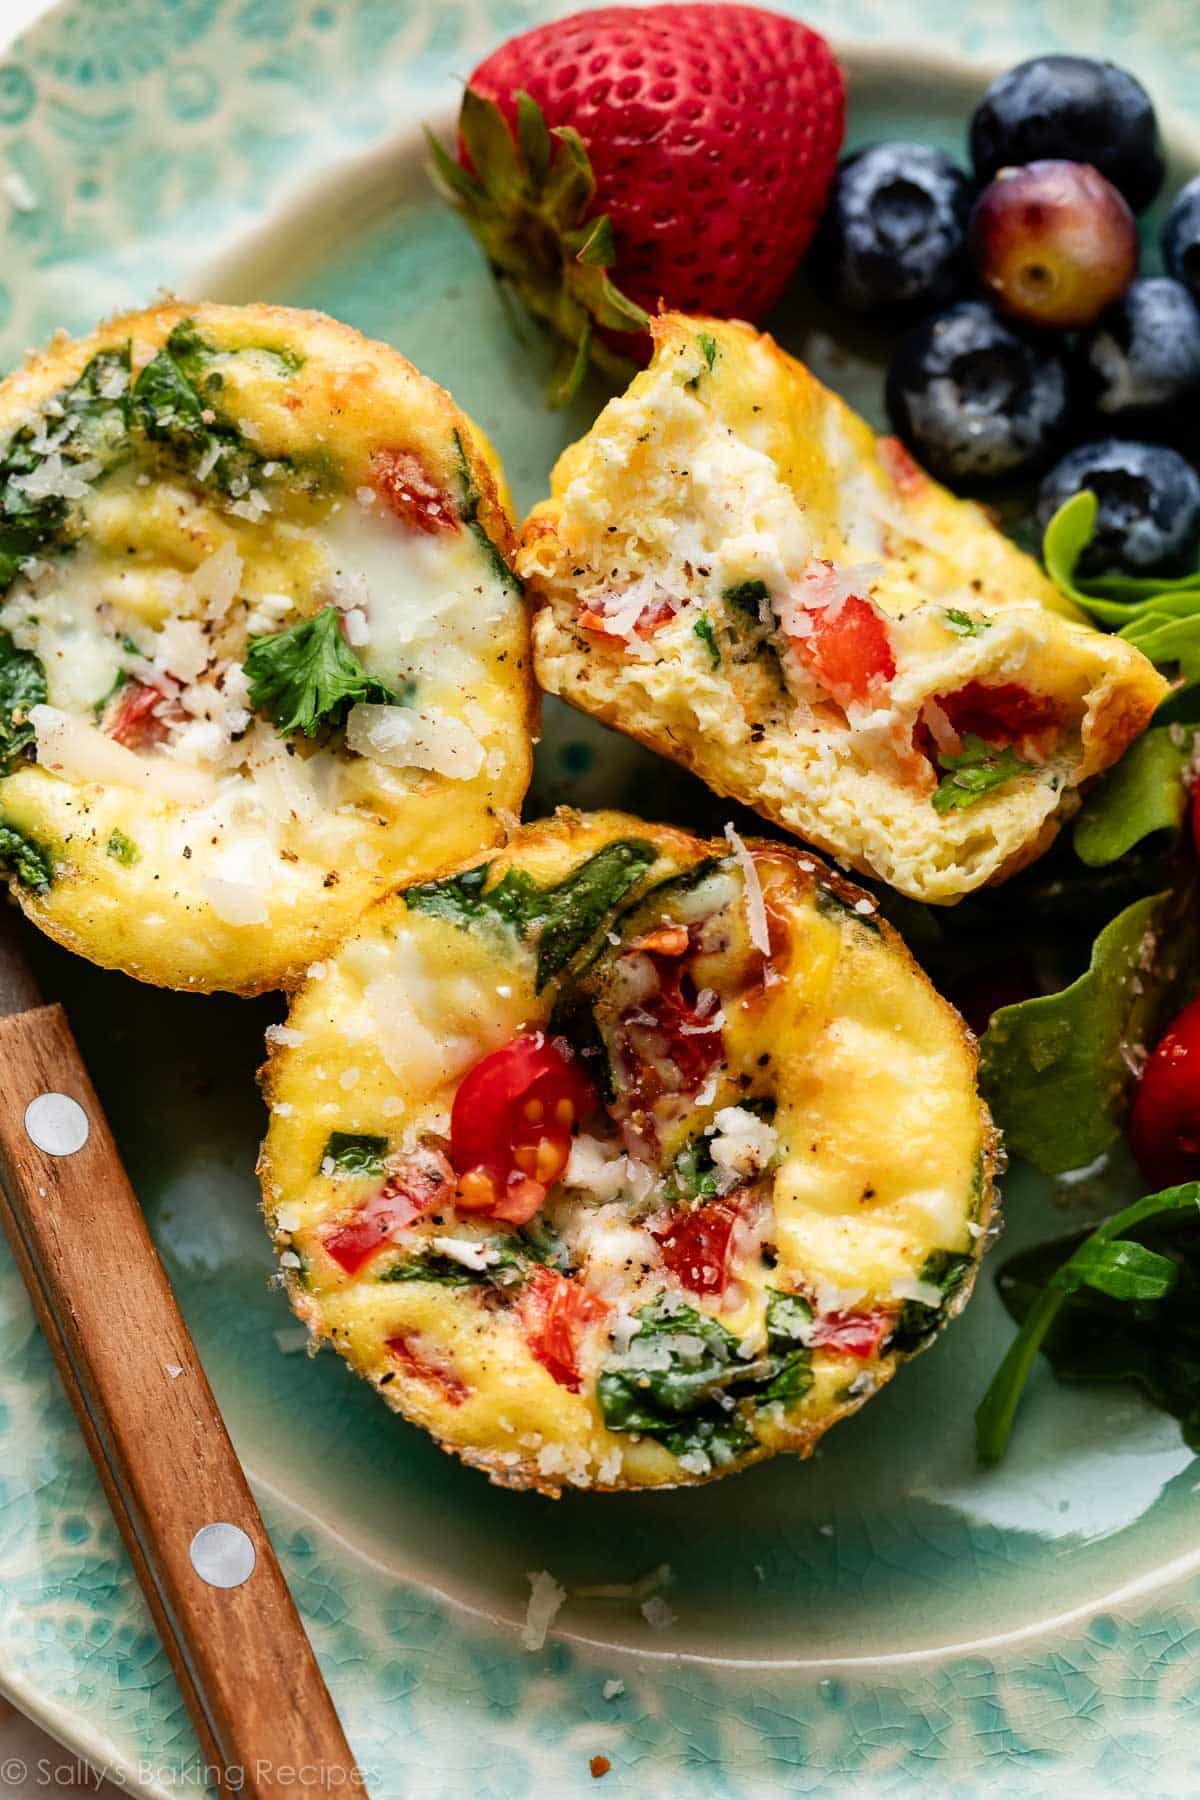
(555, 1312)
(417, 1368)
(511, 1125)
(848, 650)
(1164, 1123)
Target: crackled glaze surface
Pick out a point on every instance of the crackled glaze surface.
(887, 1619)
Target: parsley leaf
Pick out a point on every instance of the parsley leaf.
(975, 771)
(704, 631)
(122, 849)
(966, 624)
(307, 676)
(1107, 1263)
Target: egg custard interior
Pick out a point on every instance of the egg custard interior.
(261, 653)
(732, 568)
(626, 1159)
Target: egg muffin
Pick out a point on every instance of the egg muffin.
(733, 569)
(625, 1160)
(262, 655)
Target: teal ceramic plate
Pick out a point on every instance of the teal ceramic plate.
(886, 1619)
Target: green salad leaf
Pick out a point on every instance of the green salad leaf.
(1144, 794)
(974, 771)
(122, 849)
(966, 624)
(1056, 1070)
(307, 677)
(564, 917)
(1111, 1310)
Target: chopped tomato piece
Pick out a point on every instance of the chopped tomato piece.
(848, 649)
(138, 720)
(405, 1197)
(906, 475)
(1164, 1124)
(512, 1122)
(400, 479)
(695, 1246)
(668, 1045)
(998, 714)
(668, 940)
(854, 1333)
(653, 616)
(447, 1384)
(555, 1312)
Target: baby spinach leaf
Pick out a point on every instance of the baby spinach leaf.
(22, 685)
(29, 861)
(175, 401)
(355, 1152)
(683, 1377)
(564, 916)
(574, 910)
(1113, 1310)
(1144, 794)
(693, 1173)
(789, 1320)
(747, 596)
(974, 771)
(469, 498)
(919, 1322)
(307, 677)
(703, 629)
(1055, 1069)
(506, 1269)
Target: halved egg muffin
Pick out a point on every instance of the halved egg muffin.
(261, 653)
(625, 1160)
(734, 570)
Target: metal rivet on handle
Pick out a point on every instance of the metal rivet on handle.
(57, 1124)
(222, 1555)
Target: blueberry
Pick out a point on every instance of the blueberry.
(1142, 359)
(1181, 237)
(974, 399)
(894, 231)
(1072, 108)
(1149, 499)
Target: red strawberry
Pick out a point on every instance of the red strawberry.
(682, 152)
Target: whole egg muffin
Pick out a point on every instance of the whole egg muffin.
(625, 1160)
(262, 656)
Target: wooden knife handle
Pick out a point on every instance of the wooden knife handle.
(246, 1669)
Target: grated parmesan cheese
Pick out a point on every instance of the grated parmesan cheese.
(756, 908)
(545, 1600)
(742, 1144)
(467, 1251)
(234, 902)
(403, 738)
